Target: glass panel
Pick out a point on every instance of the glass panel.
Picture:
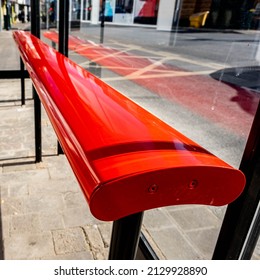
(52, 11)
(87, 8)
(109, 9)
(75, 10)
(124, 11)
(146, 11)
(198, 70)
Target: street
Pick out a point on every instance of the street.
(204, 84)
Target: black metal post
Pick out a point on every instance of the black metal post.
(240, 213)
(175, 22)
(7, 24)
(22, 82)
(176, 14)
(125, 237)
(102, 17)
(36, 31)
(35, 18)
(253, 237)
(63, 38)
(64, 27)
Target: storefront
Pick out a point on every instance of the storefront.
(10, 11)
(163, 14)
(121, 11)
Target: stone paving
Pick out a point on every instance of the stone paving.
(44, 214)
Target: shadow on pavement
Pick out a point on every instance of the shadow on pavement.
(247, 77)
(246, 81)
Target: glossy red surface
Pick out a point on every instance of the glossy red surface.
(125, 159)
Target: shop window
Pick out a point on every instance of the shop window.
(87, 9)
(146, 11)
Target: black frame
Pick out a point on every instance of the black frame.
(240, 214)
(63, 39)
(17, 74)
(36, 31)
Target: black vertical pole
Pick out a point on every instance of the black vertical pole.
(7, 16)
(176, 14)
(240, 214)
(102, 17)
(253, 236)
(36, 31)
(175, 22)
(63, 36)
(63, 27)
(22, 82)
(125, 237)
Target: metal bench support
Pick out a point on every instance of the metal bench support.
(22, 82)
(125, 237)
(240, 213)
(35, 30)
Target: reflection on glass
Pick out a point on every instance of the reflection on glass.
(87, 9)
(75, 10)
(124, 6)
(146, 11)
(202, 78)
(108, 9)
(123, 11)
(130, 11)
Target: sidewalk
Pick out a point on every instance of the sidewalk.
(43, 212)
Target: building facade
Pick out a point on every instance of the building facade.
(12, 11)
(162, 14)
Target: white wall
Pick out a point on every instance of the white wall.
(95, 12)
(165, 14)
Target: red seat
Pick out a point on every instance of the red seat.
(125, 159)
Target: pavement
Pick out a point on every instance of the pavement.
(43, 212)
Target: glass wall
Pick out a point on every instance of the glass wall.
(86, 11)
(123, 11)
(204, 81)
(146, 11)
(75, 10)
(239, 14)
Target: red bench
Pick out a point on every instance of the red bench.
(125, 159)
